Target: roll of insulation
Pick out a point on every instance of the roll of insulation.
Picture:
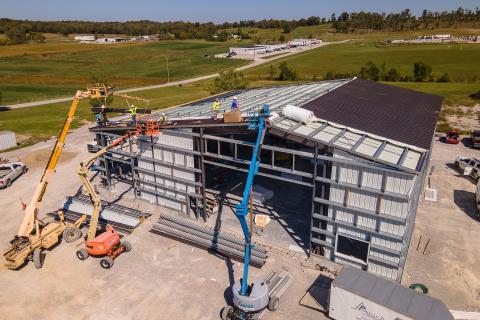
(298, 114)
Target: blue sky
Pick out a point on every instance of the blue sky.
(212, 10)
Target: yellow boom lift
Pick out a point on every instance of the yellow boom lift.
(34, 235)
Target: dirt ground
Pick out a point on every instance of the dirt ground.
(450, 267)
(465, 118)
(165, 279)
(159, 279)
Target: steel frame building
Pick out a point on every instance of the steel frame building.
(365, 187)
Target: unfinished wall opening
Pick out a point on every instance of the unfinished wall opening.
(282, 188)
(352, 249)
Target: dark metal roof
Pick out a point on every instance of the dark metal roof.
(392, 295)
(395, 113)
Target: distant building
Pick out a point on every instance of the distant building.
(273, 47)
(259, 49)
(148, 38)
(110, 40)
(85, 38)
(303, 42)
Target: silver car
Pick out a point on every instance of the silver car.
(468, 166)
(9, 172)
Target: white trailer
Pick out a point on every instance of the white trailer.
(359, 295)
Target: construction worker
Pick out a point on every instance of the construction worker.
(234, 104)
(103, 113)
(215, 108)
(133, 112)
(163, 117)
(98, 119)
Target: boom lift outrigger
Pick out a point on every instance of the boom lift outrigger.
(34, 235)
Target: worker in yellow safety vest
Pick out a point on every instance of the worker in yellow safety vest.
(133, 112)
(163, 118)
(215, 108)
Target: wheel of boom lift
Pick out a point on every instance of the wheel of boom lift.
(82, 254)
(106, 262)
(38, 258)
(71, 234)
(273, 304)
(227, 313)
(127, 246)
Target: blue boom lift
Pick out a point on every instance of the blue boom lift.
(251, 299)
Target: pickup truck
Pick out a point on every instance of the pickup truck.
(11, 171)
(468, 166)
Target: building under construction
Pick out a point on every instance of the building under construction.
(345, 187)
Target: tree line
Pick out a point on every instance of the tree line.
(171, 30)
(405, 20)
(370, 71)
(21, 31)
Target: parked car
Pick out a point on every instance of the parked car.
(452, 137)
(11, 171)
(475, 135)
(468, 166)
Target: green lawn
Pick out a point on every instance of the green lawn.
(460, 61)
(43, 73)
(39, 123)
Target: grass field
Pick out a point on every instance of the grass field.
(50, 70)
(325, 32)
(460, 61)
(39, 123)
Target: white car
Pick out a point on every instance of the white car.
(468, 166)
(11, 171)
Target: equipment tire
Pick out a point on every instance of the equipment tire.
(24, 170)
(82, 254)
(226, 313)
(38, 258)
(127, 245)
(273, 304)
(71, 234)
(9, 183)
(106, 263)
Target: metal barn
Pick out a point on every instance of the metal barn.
(351, 180)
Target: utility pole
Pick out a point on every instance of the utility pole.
(168, 70)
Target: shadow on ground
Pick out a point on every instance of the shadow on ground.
(5, 109)
(465, 200)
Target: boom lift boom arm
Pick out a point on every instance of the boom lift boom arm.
(30, 220)
(258, 121)
(83, 174)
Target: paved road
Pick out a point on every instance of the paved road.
(257, 62)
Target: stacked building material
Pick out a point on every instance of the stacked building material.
(122, 218)
(207, 237)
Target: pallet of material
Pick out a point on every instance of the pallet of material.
(206, 237)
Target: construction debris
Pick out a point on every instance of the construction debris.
(204, 236)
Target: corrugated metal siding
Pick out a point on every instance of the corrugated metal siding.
(348, 262)
(362, 200)
(384, 231)
(380, 241)
(7, 140)
(382, 270)
(170, 157)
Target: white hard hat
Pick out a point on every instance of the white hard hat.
(234, 98)
(163, 113)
